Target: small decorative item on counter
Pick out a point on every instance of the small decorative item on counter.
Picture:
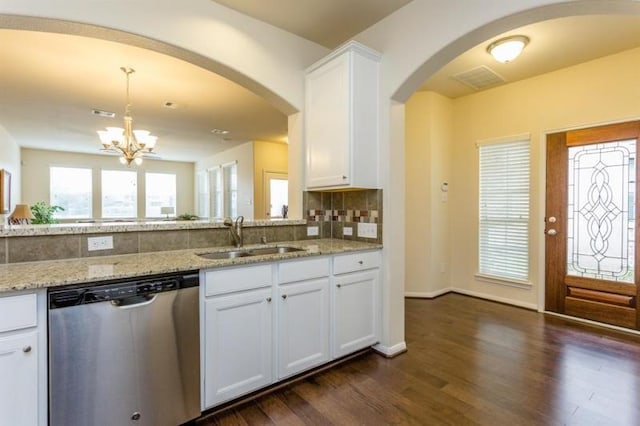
(21, 215)
(187, 216)
(43, 214)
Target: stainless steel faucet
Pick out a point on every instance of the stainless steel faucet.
(235, 229)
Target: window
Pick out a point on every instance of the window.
(119, 194)
(504, 210)
(202, 183)
(215, 184)
(230, 183)
(160, 191)
(70, 188)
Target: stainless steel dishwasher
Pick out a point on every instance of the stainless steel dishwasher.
(125, 352)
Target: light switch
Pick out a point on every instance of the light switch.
(367, 230)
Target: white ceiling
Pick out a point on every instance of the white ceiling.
(49, 83)
(326, 22)
(554, 44)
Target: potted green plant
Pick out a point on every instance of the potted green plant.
(187, 216)
(43, 214)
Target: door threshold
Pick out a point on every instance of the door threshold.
(594, 323)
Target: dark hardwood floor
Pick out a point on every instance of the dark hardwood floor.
(470, 362)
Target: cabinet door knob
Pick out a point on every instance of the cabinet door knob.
(344, 177)
(360, 262)
(284, 296)
(268, 299)
(26, 349)
(338, 285)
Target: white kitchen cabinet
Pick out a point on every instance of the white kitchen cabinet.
(266, 322)
(342, 119)
(19, 384)
(303, 326)
(355, 300)
(22, 360)
(237, 330)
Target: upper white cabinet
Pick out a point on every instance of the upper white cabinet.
(342, 119)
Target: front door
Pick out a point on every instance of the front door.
(591, 227)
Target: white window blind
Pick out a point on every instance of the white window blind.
(504, 210)
(215, 197)
(230, 184)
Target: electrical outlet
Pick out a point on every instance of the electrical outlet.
(347, 230)
(312, 231)
(367, 230)
(100, 243)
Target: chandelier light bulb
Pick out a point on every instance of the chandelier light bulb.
(507, 49)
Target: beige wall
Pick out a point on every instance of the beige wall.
(428, 144)
(10, 161)
(243, 154)
(267, 157)
(36, 163)
(601, 91)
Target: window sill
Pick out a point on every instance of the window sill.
(510, 282)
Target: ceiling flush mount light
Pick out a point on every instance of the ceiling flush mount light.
(220, 132)
(508, 48)
(131, 144)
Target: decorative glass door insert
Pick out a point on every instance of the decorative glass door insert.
(600, 214)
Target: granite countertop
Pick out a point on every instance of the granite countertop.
(110, 227)
(51, 273)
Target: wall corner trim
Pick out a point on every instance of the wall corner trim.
(427, 294)
(391, 351)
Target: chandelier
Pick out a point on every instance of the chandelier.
(130, 144)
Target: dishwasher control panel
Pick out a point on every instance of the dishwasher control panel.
(60, 298)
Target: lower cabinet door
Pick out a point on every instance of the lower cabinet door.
(303, 326)
(19, 379)
(356, 313)
(238, 348)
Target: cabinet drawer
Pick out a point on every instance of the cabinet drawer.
(219, 281)
(356, 262)
(300, 270)
(18, 312)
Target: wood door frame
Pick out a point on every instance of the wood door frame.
(559, 141)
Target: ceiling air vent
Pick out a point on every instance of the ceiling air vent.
(103, 113)
(479, 78)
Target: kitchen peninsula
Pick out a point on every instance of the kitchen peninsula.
(327, 293)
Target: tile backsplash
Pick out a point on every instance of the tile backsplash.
(333, 211)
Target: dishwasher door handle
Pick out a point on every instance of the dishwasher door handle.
(133, 302)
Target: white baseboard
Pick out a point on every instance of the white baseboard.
(432, 294)
(391, 351)
(427, 294)
(525, 305)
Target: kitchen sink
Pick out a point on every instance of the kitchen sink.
(224, 254)
(250, 252)
(273, 250)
